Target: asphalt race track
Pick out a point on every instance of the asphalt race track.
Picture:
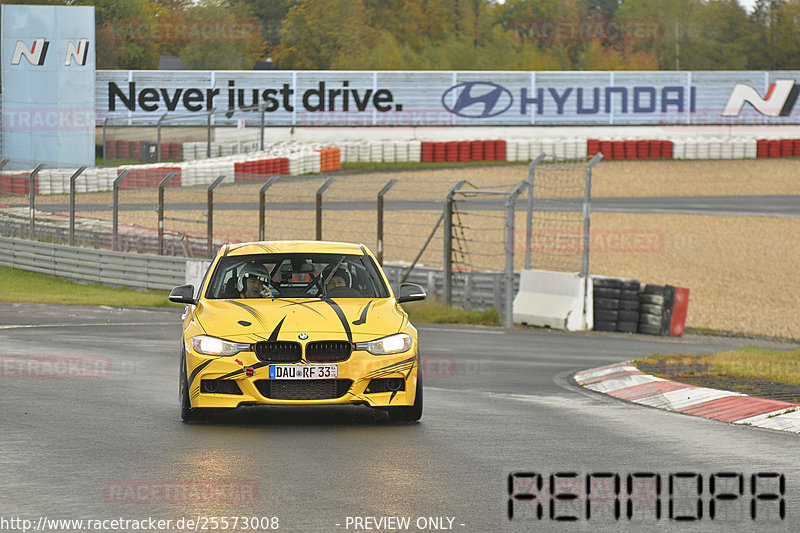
(90, 430)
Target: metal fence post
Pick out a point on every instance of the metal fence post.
(261, 135)
(208, 132)
(32, 198)
(210, 230)
(3, 163)
(115, 209)
(158, 130)
(72, 180)
(161, 186)
(105, 123)
(508, 274)
(587, 212)
(381, 194)
(529, 223)
(262, 206)
(321, 190)
(448, 242)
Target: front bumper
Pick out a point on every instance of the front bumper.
(354, 378)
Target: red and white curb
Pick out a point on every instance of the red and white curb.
(626, 382)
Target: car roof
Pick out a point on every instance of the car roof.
(275, 247)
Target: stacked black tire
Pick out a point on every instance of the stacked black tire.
(616, 304)
(655, 309)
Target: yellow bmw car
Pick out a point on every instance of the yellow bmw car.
(298, 323)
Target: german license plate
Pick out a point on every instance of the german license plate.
(303, 371)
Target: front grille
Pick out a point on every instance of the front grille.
(279, 351)
(303, 389)
(328, 351)
(385, 385)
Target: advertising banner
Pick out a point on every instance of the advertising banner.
(48, 85)
(447, 98)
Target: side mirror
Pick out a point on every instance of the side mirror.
(410, 292)
(183, 295)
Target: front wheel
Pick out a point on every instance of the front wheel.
(188, 414)
(411, 413)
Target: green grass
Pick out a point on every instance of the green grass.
(23, 286)
(434, 310)
(750, 362)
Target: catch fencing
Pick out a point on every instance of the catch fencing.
(455, 227)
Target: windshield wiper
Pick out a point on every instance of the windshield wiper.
(328, 277)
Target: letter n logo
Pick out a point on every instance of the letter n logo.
(35, 55)
(77, 53)
(779, 101)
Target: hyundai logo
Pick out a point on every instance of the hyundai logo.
(302, 336)
(478, 99)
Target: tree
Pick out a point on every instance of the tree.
(271, 14)
(122, 35)
(325, 34)
(225, 36)
(787, 34)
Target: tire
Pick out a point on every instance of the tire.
(606, 303)
(606, 293)
(188, 413)
(604, 315)
(652, 309)
(628, 316)
(656, 299)
(629, 305)
(630, 285)
(411, 413)
(610, 283)
(605, 326)
(629, 295)
(627, 327)
(654, 289)
(649, 330)
(646, 319)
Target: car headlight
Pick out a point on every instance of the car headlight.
(400, 342)
(207, 345)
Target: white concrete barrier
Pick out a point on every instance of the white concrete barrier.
(553, 299)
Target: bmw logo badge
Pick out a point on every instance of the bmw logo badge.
(302, 336)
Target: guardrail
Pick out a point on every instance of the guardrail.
(470, 290)
(144, 271)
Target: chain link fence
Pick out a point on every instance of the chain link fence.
(409, 219)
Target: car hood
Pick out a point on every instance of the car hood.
(252, 320)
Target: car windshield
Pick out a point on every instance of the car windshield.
(297, 275)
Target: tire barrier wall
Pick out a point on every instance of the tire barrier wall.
(527, 149)
(305, 158)
(616, 304)
(553, 299)
(626, 305)
(292, 159)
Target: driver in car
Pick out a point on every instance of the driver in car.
(338, 279)
(253, 282)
